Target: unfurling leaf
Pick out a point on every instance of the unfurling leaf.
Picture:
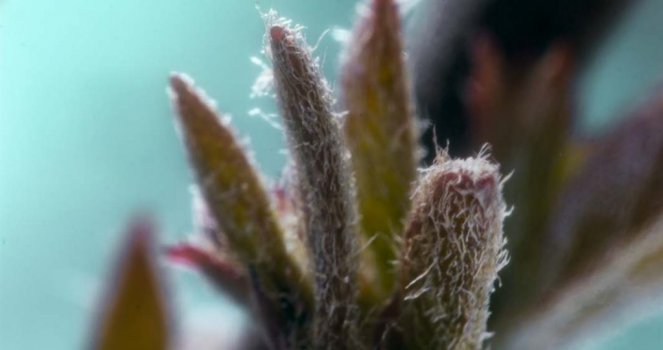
(453, 251)
(325, 186)
(240, 207)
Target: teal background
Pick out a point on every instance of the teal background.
(86, 139)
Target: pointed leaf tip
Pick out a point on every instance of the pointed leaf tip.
(177, 81)
(134, 313)
(277, 33)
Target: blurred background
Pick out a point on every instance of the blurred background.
(87, 139)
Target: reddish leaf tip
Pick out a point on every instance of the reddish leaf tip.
(277, 33)
(179, 82)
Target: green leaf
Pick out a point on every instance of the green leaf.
(135, 314)
(380, 133)
(239, 204)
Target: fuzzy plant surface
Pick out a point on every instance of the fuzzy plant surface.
(357, 247)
